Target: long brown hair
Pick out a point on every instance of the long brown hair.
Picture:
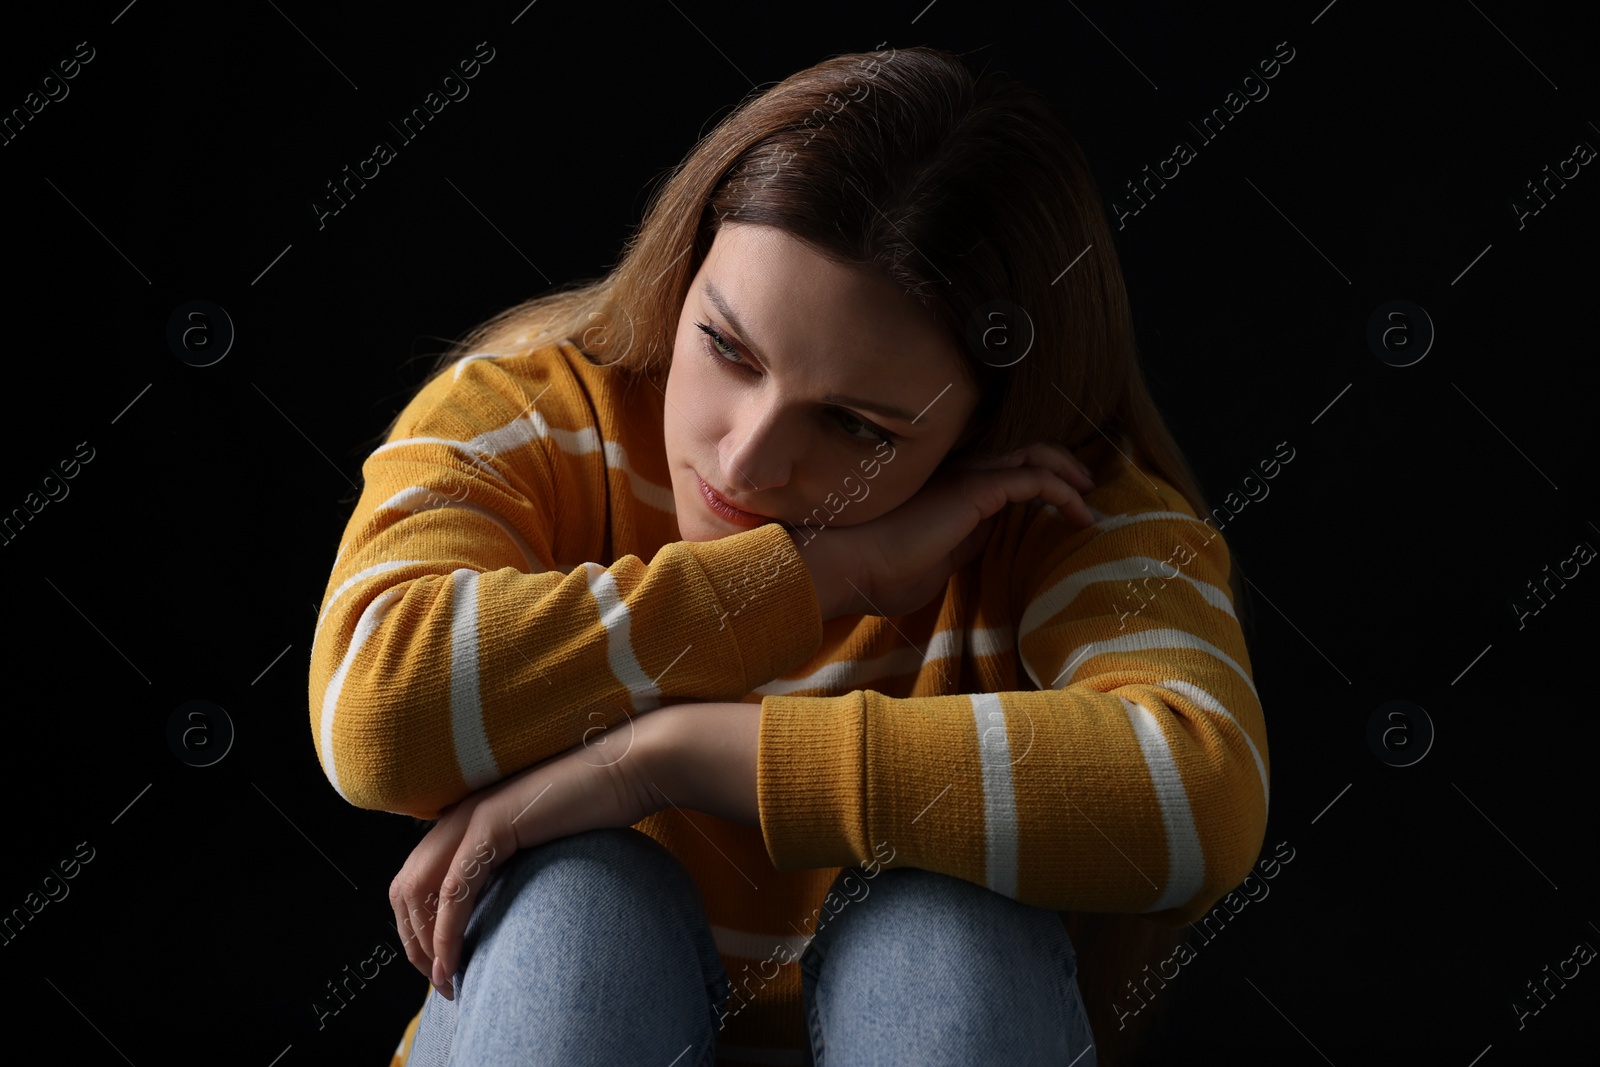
(963, 188)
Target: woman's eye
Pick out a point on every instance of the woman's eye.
(853, 425)
(721, 347)
(724, 354)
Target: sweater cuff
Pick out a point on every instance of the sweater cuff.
(811, 780)
(767, 597)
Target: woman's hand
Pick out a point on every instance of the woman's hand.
(896, 563)
(604, 782)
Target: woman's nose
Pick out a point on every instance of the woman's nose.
(759, 453)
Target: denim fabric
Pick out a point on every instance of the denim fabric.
(917, 967)
(595, 949)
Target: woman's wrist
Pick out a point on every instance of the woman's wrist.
(703, 756)
(828, 565)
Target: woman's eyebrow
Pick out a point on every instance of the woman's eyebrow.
(877, 407)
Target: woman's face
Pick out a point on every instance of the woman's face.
(825, 392)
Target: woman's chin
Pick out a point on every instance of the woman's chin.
(703, 528)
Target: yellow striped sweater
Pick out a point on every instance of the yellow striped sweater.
(1073, 723)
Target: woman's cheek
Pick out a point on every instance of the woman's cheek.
(887, 495)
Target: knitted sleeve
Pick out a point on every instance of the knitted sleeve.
(468, 629)
(1130, 777)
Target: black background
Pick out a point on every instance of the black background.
(190, 558)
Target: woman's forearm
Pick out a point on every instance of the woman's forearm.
(703, 756)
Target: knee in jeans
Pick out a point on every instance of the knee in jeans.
(889, 887)
(545, 891)
(586, 867)
(613, 869)
(925, 899)
(610, 842)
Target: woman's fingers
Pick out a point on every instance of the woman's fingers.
(903, 558)
(486, 838)
(1024, 483)
(414, 893)
(1068, 467)
(1073, 475)
(1051, 457)
(488, 841)
(434, 894)
(412, 922)
(416, 932)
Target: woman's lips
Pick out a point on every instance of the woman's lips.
(725, 510)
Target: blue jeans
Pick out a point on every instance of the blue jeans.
(924, 968)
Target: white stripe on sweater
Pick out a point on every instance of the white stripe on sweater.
(365, 625)
(583, 441)
(1214, 706)
(461, 364)
(525, 428)
(847, 674)
(647, 492)
(617, 620)
(1138, 641)
(1052, 601)
(1186, 860)
(999, 799)
(474, 756)
(514, 434)
(753, 946)
(416, 498)
(1107, 523)
(359, 576)
(991, 640)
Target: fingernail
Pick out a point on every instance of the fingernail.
(438, 979)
